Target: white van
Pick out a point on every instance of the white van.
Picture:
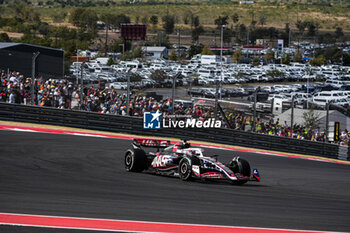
(334, 83)
(206, 73)
(329, 95)
(324, 97)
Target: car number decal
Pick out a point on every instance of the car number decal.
(160, 161)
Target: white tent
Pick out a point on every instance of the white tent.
(334, 116)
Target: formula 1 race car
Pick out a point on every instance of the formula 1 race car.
(181, 160)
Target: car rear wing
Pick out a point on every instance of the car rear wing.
(155, 143)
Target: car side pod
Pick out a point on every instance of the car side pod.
(255, 176)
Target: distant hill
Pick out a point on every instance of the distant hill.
(130, 2)
(328, 14)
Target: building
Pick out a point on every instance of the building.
(18, 57)
(155, 52)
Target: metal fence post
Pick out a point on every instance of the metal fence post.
(81, 85)
(254, 113)
(292, 117)
(327, 120)
(35, 55)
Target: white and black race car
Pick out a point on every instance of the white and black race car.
(186, 162)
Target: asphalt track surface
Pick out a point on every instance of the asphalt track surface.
(63, 175)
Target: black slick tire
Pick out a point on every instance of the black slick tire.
(185, 170)
(244, 169)
(135, 160)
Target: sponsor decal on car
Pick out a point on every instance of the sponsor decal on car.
(196, 170)
(153, 142)
(160, 161)
(213, 175)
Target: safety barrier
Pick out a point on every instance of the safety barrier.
(134, 125)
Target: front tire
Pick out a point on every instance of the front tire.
(135, 160)
(244, 168)
(185, 170)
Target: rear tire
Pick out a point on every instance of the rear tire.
(185, 170)
(135, 160)
(244, 169)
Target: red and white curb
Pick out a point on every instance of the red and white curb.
(128, 226)
(129, 137)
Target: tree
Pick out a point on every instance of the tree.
(159, 40)
(195, 49)
(135, 77)
(168, 23)
(339, 32)
(311, 119)
(89, 19)
(242, 31)
(256, 61)
(301, 25)
(298, 57)
(84, 18)
(75, 16)
(287, 28)
(273, 33)
(108, 19)
(137, 52)
(127, 56)
(286, 59)
(173, 56)
(4, 37)
(24, 12)
(235, 18)
(196, 33)
(274, 73)
(252, 14)
(195, 21)
(110, 62)
(319, 61)
(262, 20)
(311, 27)
(222, 20)
(158, 75)
(269, 56)
(153, 20)
(227, 35)
(144, 20)
(237, 55)
(196, 28)
(206, 51)
(59, 17)
(117, 45)
(120, 19)
(187, 16)
(327, 38)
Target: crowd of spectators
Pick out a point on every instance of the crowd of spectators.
(240, 121)
(15, 88)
